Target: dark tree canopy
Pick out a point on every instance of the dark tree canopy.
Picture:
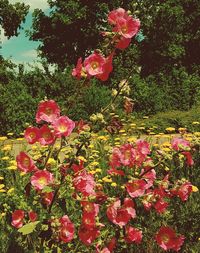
(11, 16)
(72, 29)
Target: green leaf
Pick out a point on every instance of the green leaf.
(28, 228)
(47, 189)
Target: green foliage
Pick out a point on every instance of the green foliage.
(11, 16)
(28, 228)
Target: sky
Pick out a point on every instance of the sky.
(20, 49)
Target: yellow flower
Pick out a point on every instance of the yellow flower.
(113, 184)
(91, 146)
(2, 186)
(1, 178)
(195, 123)
(122, 131)
(92, 172)
(167, 168)
(166, 149)
(82, 158)
(12, 167)
(141, 128)
(107, 180)
(131, 139)
(3, 138)
(170, 129)
(194, 188)
(13, 162)
(10, 190)
(5, 158)
(10, 134)
(52, 162)
(102, 137)
(166, 144)
(22, 174)
(122, 187)
(197, 134)
(20, 139)
(133, 125)
(7, 147)
(94, 163)
(117, 139)
(155, 145)
(98, 170)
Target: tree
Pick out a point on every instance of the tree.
(71, 28)
(11, 16)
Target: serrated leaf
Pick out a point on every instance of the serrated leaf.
(28, 228)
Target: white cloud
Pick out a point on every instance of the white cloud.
(3, 38)
(30, 53)
(40, 4)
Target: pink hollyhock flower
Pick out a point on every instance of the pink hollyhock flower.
(87, 236)
(107, 68)
(46, 137)
(127, 27)
(32, 216)
(180, 144)
(94, 64)
(117, 14)
(143, 147)
(17, 218)
(66, 229)
(78, 167)
(167, 239)
(25, 163)
(136, 188)
(47, 111)
(112, 244)
(133, 235)
(120, 215)
(88, 220)
(31, 134)
(104, 250)
(189, 159)
(41, 178)
(63, 126)
(76, 72)
(184, 191)
(149, 177)
(47, 198)
(85, 183)
(113, 171)
(90, 208)
(122, 43)
(161, 205)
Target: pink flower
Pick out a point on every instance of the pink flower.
(120, 215)
(87, 236)
(47, 197)
(183, 191)
(90, 208)
(133, 235)
(136, 188)
(41, 178)
(63, 126)
(85, 183)
(32, 216)
(180, 144)
(161, 205)
(117, 14)
(127, 27)
(122, 43)
(107, 68)
(76, 72)
(66, 229)
(25, 163)
(46, 137)
(47, 111)
(31, 134)
(167, 239)
(17, 218)
(94, 64)
(189, 160)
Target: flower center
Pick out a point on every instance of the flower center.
(42, 181)
(48, 111)
(95, 65)
(165, 238)
(63, 128)
(124, 29)
(32, 135)
(26, 162)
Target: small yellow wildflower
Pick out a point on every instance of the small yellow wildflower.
(10, 190)
(10, 134)
(3, 138)
(194, 188)
(141, 128)
(113, 184)
(2, 186)
(12, 167)
(107, 180)
(92, 172)
(196, 123)
(5, 158)
(91, 146)
(20, 139)
(52, 161)
(7, 147)
(131, 139)
(170, 129)
(98, 170)
(13, 162)
(22, 174)
(145, 117)
(166, 149)
(102, 138)
(1, 178)
(94, 163)
(122, 187)
(82, 158)
(117, 139)
(122, 131)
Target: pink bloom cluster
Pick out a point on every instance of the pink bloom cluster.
(18, 217)
(125, 27)
(56, 126)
